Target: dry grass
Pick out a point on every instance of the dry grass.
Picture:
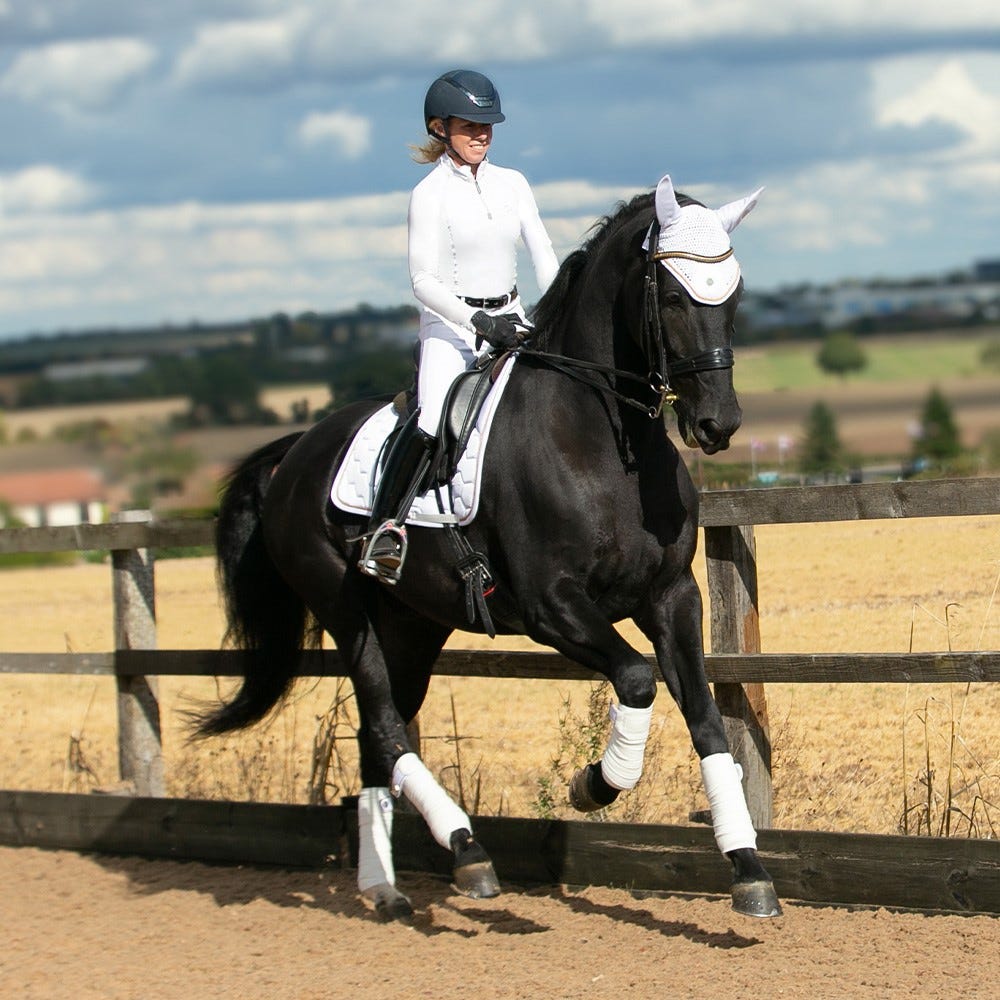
(839, 748)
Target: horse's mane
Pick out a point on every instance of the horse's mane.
(551, 308)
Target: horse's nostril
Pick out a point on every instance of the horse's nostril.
(711, 430)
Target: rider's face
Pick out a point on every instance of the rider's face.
(470, 140)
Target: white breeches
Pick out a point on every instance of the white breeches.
(442, 360)
(445, 352)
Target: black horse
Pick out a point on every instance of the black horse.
(587, 516)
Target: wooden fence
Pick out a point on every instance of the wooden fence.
(736, 666)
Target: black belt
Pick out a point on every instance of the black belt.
(496, 303)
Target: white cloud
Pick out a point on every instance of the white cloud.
(683, 22)
(191, 260)
(575, 196)
(241, 50)
(348, 132)
(950, 95)
(42, 188)
(75, 76)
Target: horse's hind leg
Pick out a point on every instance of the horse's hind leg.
(392, 651)
(410, 645)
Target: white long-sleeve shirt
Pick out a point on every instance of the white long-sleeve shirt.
(463, 235)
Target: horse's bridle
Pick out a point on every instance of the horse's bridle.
(652, 329)
(651, 337)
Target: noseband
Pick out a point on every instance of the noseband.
(653, 345)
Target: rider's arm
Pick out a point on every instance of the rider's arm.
(536, 238)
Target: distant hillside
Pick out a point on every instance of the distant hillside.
(36, 351)
(158, 362)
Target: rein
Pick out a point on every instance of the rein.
(660, 369)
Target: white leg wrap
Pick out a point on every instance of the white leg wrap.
(722, 778)
(375, 839)
(411, 777)
(621, 764)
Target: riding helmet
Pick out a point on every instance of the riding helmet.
(463, 93)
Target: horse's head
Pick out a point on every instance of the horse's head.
(693, 286)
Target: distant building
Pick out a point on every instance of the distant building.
(65, 371)
(882, 304)
(938, 302)
(987, 270)
(55, 497)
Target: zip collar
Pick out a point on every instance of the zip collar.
(464, 171)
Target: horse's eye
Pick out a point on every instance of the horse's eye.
(672, 299)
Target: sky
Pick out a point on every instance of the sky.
(210, 160)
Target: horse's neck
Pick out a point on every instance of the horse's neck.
(592, 331)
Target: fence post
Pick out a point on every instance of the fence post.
(735, 623)
(140, 750)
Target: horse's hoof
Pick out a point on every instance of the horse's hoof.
(581, 795)
(477, 880)
(756, 899)
(391, 905)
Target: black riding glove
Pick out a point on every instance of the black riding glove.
(498, 331)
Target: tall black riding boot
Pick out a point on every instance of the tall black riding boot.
(406, 466)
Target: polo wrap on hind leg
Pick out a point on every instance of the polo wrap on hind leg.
(722, 778)
(411, 778)
(621, 765)
(375, 865)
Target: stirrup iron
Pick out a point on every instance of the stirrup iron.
(384, 552)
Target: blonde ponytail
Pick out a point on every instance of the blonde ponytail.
(429, 151)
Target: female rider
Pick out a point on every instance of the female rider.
(465, 220)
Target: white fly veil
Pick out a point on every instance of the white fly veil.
(693, 243)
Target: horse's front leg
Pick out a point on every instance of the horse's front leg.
(673, 623)
(570, 622)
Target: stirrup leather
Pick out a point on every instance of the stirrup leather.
(384, 552)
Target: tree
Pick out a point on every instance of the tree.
(820, 452)
(937, 439)
(224, 391)
(364, 374)
(990, 354)
(841, 354)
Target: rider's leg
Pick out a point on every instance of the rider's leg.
(405, 469)
(443, 357)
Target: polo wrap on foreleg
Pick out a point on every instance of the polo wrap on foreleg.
(621, 764)
(411, 778)
(722, 778)
(375, 865)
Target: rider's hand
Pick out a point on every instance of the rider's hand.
(497, 331)
(522, 328)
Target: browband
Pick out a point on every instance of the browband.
(697, 257)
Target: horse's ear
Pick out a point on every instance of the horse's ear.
(667, 209)
(732, 214)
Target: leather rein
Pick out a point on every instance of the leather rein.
(651, 336)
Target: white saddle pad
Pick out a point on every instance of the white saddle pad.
(357, 478)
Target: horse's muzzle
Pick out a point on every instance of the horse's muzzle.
(712, 436)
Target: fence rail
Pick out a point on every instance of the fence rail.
(736, 666)
(721, 668)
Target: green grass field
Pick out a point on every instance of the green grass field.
(904, 358)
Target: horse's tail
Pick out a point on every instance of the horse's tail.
(265, 618)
